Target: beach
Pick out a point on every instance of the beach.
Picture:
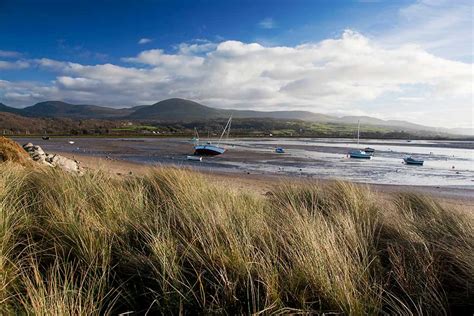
(262, 183)
(253, 165)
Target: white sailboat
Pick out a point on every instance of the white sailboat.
(357, 153)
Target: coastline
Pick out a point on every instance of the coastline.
(262, 183)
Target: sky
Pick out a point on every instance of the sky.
(406, 60)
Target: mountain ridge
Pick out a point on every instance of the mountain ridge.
(177, 109)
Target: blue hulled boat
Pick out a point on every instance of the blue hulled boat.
(413, 161)
(359, 154)
(210, 149)
(369, 150)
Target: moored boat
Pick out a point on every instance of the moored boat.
(210, 149)
(413, 161)
(194, 158)
(359, 154)
(369, 150)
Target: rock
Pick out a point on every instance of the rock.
(52, 160)
(36, 152)
(64, 163)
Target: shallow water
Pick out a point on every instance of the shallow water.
(447, 163)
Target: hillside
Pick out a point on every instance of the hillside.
(8, 109)
(13, 124)
(175, 110)
(77, 111)
(178, 110)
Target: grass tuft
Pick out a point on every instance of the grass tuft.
(171, 242)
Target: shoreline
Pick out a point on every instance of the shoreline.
(262, 183)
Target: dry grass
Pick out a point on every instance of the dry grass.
(12, 151)
(169, 242)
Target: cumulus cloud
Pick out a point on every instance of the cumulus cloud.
(267, 23)
(144, 40)
(19, 64)
(351, 74)
(443, 27)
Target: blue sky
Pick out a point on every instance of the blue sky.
(311, 55)
(98, 31)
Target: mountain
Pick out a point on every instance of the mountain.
(285, 115)
(76, 111)
(460, 131)
(182, 110)
(5, 108)
(175, 110)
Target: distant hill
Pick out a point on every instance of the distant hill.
(77, 111)
(175, 110)
(185, 110)
(182, 110)
(8, 109)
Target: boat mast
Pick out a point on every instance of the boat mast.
(226, 128)
(196, 136)
(358, 131)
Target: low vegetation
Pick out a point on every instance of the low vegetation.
(170, 242)
(12, 151)
(16, 125)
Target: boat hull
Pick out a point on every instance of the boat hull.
(369, 151)
(414, 162)
(208, 150)
(359, 154)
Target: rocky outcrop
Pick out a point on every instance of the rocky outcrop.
(37, 154)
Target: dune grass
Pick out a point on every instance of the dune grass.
(12, 151)
(170, 242)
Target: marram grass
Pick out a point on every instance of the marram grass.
(170, 242)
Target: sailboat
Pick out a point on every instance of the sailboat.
(357, 153)
(195, 138)
(212, 150)
(413, 161)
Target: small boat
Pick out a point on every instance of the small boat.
(369, 150)
(413, 161)
(194, 158)
(195, 139)
(279, 150)
(45, 137)
(210, 149)
(359, 154)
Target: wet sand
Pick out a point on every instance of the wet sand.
(262, 183)
(447, 163)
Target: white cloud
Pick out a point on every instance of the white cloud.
(267, 23)
(442, 27)
(351, 74)
(144, 41)
(19, 64)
